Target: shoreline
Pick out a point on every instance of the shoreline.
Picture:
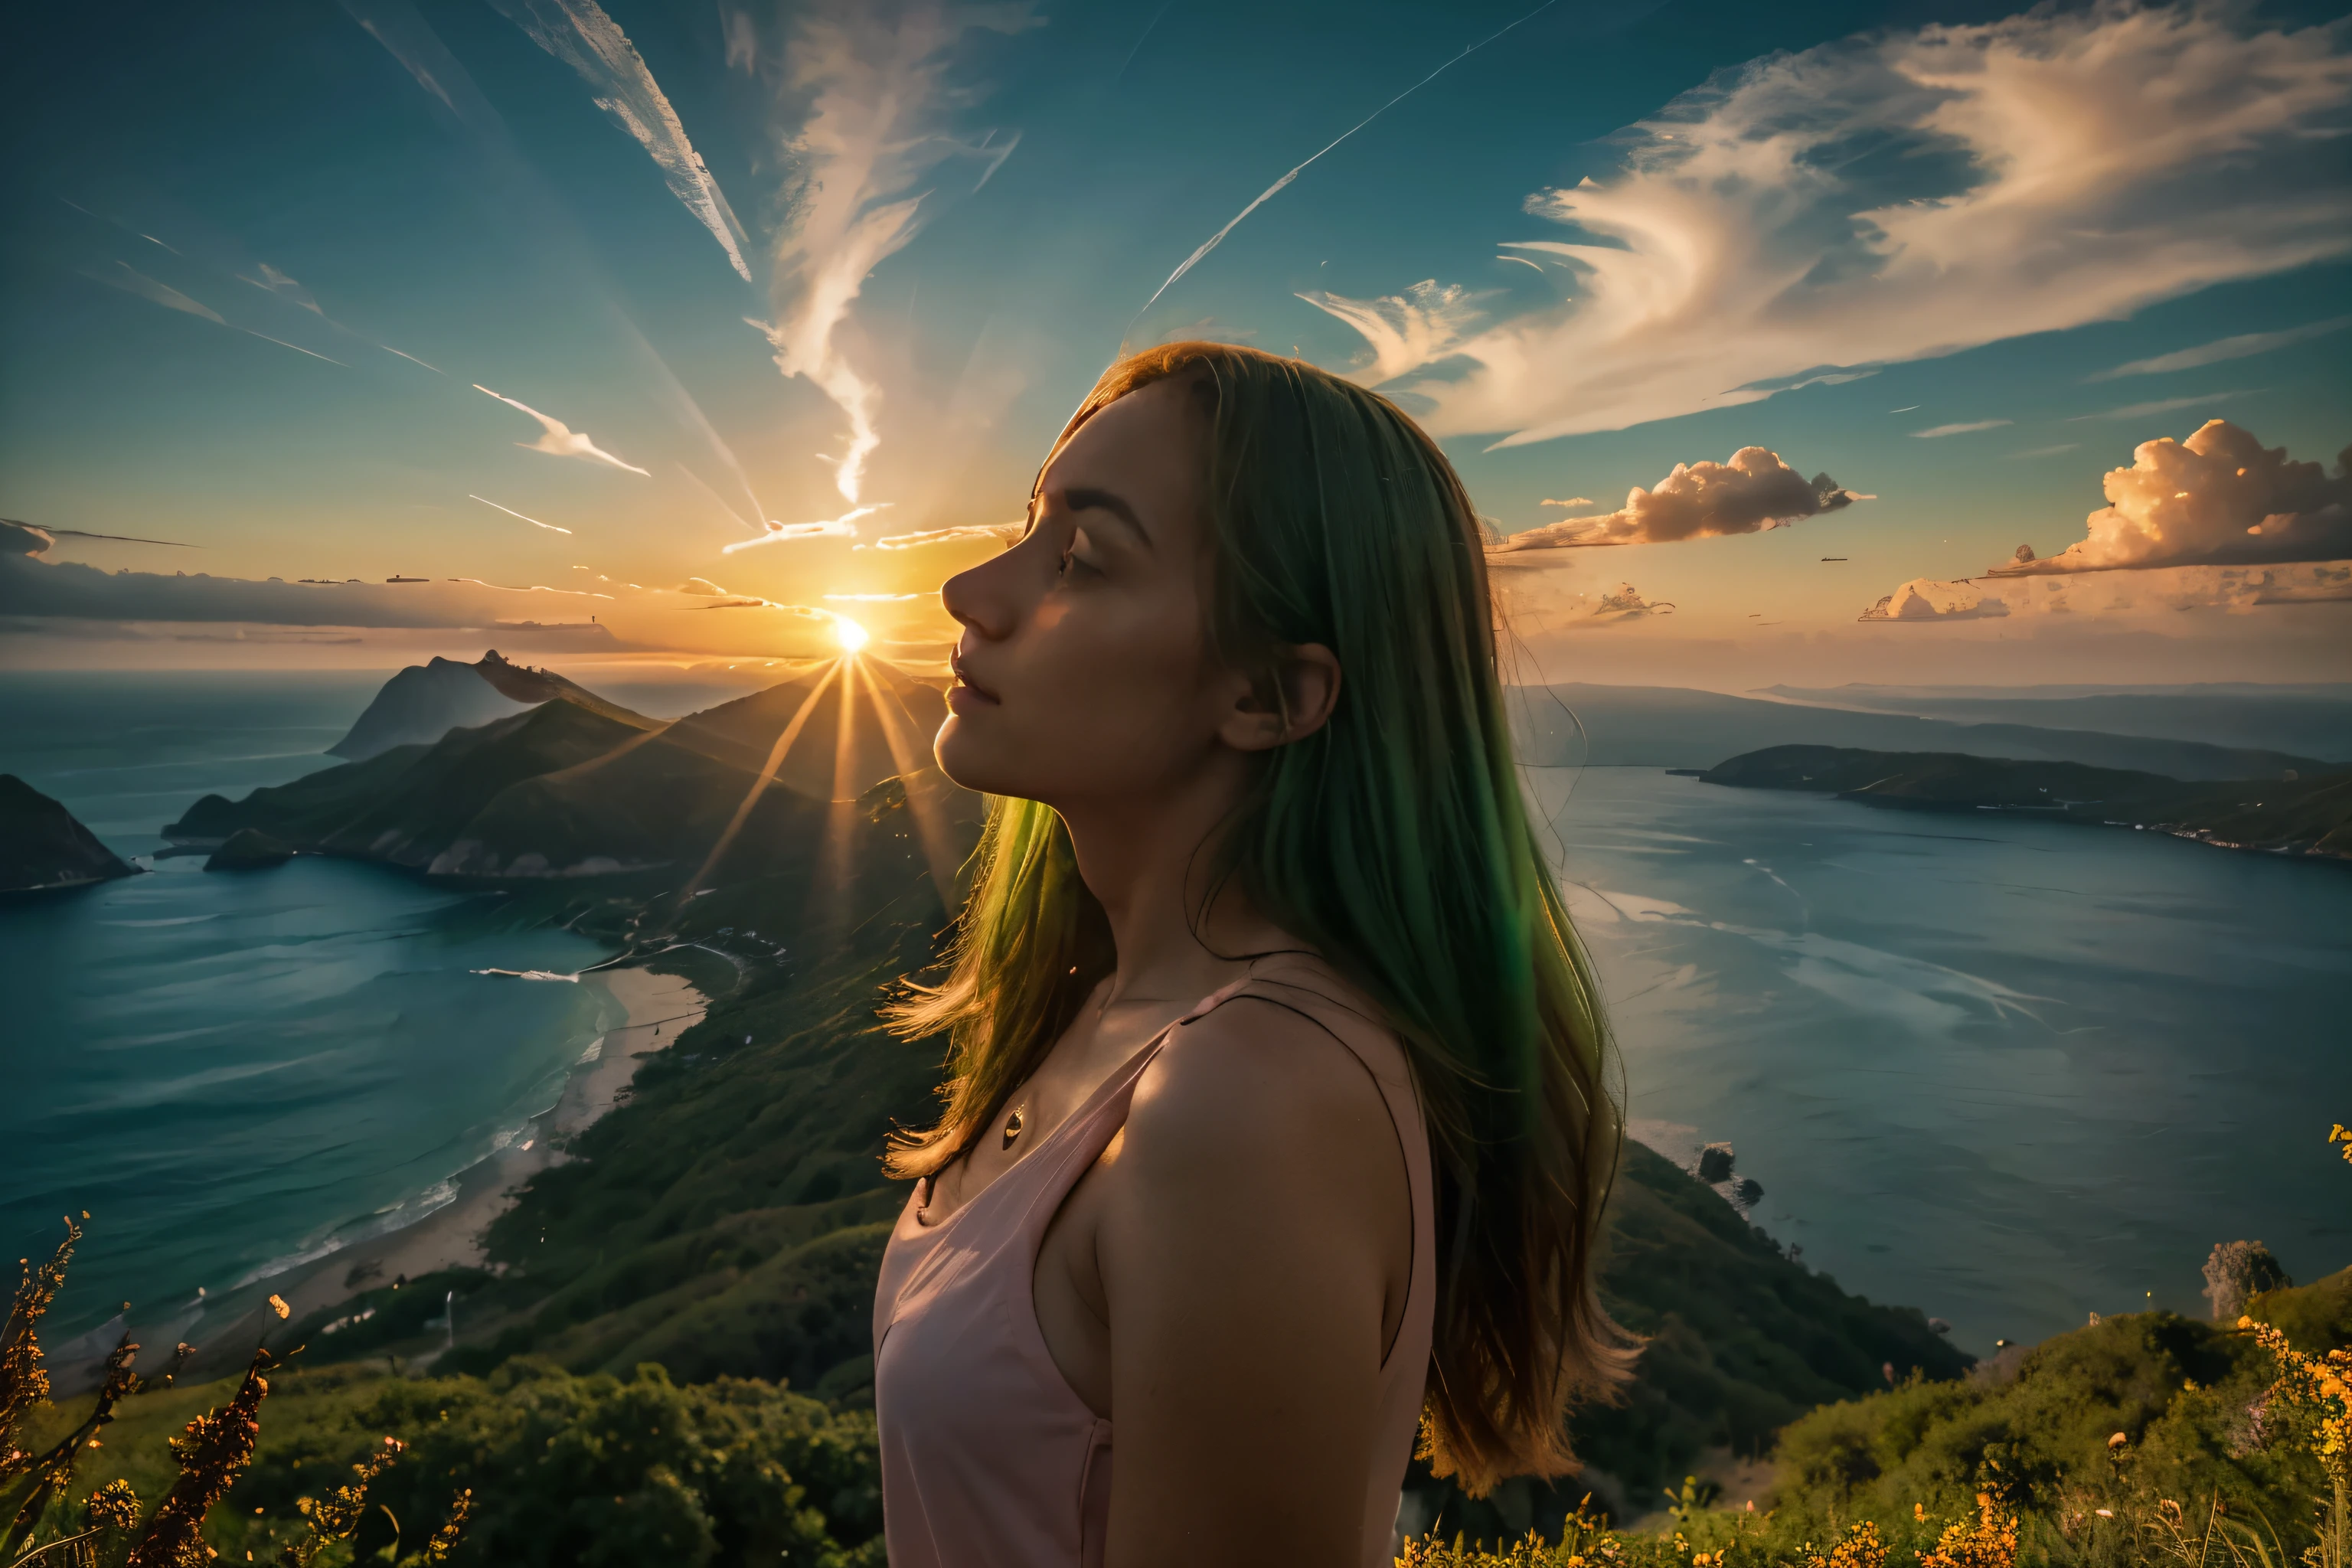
(655, 1010)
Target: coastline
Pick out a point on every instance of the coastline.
(655, 1010)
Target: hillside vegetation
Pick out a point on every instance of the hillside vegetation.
(2302, 816)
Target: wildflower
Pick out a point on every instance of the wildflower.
(113, 1506)
(212, 1452)
(437, 1550)
(1989, 1540)
(24, 1385)
(1861, 1547)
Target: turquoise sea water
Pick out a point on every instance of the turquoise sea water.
(2012, 1072)
(2008, 1072)
(232, 1071)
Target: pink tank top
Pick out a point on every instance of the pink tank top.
(989, 1458)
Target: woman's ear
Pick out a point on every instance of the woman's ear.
(1295, 699)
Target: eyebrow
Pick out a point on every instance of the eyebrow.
(1104, 500)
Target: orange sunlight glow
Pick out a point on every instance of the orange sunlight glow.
(849, 633)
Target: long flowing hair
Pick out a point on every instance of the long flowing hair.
(1396, 840)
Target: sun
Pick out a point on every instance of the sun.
(849, 633)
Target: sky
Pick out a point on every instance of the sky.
(1823, 342)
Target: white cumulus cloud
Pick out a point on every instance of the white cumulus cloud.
(2218, 498)
(1907, 194)
(1925, 599)
(1755, 490)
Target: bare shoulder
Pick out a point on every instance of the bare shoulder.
(1281, 1075)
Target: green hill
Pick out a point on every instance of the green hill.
(2303, 815)
(42, 846)
(578, 786)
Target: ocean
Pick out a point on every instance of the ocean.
(2012, 1072)
(236, 1072)
(2008, 1072)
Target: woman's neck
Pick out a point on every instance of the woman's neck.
(1149, 864)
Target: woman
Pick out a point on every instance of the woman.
(1276, 1126)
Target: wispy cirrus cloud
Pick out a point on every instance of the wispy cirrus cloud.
(1908, 194)
(1406, 330)
(1754, 491)
(1002, 533)
(580, 33)
(2166, 405)
(558, 439)
(842, 527)
(123, 276)
(874, 82)
(1937, 432)
(2245, 345)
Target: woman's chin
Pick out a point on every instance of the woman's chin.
(965, 758)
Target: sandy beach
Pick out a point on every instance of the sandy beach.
(657, 1008)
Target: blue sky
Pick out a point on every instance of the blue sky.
(218, 229)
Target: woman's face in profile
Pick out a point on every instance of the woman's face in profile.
(1083, 671)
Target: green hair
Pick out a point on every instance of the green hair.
(1395, 841)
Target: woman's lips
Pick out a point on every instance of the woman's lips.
(967, 695)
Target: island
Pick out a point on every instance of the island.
(2294, 813)
(42, 846)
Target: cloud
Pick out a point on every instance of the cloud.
(2156, 597)
(511, 512)
(2163, 406)
(1910, 192)
(842, 527)
(1755, 490)
(1572, 500)
(1614, 607)
(1925, 599)
(872, 598)
(273, 281)
(23, 538)
(1001, 532)
(558, 439)
(582, 35)
(1406, 330)
(1935, 431)
(130, 281)
(2243, 346)
(2218, 498)
(72, 591)
(701, 587)
(875, 78)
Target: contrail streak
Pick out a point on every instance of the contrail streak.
(511, 512)
(79, 533)
(1267, 194)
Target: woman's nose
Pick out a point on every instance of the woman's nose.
(981, 598)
